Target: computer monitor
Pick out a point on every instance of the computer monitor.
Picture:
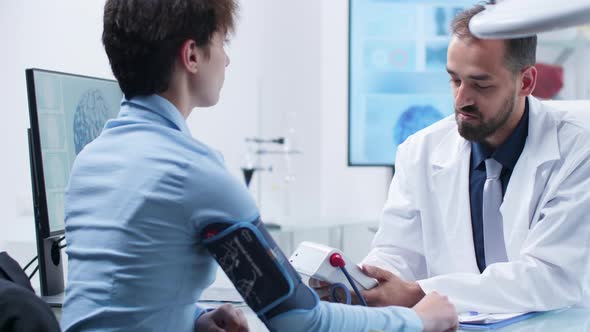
(67, 112)
(398, 83)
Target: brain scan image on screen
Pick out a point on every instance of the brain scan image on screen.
(71, 112)
(393, 118)
(413, 119)
(90, 116)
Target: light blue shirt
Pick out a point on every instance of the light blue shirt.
(136, 197)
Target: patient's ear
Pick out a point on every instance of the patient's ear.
(190, 55)
(528, 80)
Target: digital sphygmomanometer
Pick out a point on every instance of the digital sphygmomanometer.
(257, 267)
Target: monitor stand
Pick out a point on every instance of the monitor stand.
(54, 301)
(51, 275)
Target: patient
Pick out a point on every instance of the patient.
(139, 192)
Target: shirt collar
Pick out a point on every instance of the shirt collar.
(508, 153)
(161, 106)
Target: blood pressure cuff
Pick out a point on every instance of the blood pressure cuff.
(257, 267)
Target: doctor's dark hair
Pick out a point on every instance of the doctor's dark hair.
(519, 52)
(142, 38)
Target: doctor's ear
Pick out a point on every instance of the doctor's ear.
(190, 56)
(528, 80)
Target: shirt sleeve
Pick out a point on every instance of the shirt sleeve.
(398, 245)
(336, 317)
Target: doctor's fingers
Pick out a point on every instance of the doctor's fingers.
(377, 273)
(374, 297)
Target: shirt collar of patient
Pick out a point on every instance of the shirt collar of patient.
(506, 154)
(161, 106)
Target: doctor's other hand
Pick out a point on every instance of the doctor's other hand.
(225, 318)
(391, 290)
(437, 313)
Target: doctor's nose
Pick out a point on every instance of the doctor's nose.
(463, 97)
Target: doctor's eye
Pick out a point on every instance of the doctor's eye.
(482, 87)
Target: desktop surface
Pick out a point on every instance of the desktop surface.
(567, 320)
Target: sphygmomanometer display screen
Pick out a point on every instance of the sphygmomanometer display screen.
(250, 266)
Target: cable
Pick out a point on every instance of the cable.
(333, 291)
(63, 246)
(353, 284)
(34, 271)
(29, 263)
(336, 260)
(61, 239)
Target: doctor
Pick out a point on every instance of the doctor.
(519, 241)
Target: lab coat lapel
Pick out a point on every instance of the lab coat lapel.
(450, 174)
(528, 178)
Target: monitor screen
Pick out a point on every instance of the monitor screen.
(398, 83)
(67, 112)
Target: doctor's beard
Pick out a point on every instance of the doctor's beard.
(481, 131)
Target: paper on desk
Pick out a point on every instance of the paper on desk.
(470, 318)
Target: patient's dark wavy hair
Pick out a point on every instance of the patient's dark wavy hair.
(520, 52)
(143, 37)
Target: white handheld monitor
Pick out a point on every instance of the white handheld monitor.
(313, 260)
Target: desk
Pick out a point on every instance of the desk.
(569, 320)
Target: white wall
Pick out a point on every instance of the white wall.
(346, 191)
(305, 73)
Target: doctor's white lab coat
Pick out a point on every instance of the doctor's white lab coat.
(425, 232)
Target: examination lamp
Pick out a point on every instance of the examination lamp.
(522, 18)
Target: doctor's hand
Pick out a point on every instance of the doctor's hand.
(225, 318)
(437, 313)
(391, 290)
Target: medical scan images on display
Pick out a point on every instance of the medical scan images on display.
(72, 110)
(398, 83)
(89, 118)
